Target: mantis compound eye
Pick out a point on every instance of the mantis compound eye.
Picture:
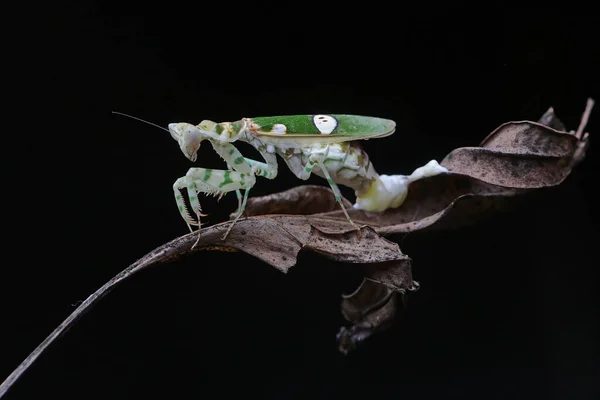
(189, 138)
(190, 143)
(176, 131)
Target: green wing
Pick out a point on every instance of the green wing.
(334, 127)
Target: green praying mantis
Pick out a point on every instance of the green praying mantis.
(324, 144)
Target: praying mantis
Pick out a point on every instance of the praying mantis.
(324, 144)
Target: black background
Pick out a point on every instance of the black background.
(507, 308)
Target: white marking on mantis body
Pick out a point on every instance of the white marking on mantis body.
(270, 148)
(279, 129)
(325, 123)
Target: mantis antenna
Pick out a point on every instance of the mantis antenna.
(211, 134)
(141, 120)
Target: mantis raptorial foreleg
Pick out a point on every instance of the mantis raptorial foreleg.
(258, 168)
(209, 181)
(241, 174)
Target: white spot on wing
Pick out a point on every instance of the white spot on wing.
(279, 129)
(325, 123)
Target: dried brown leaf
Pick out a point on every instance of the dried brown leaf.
(281, 237)
(300, 200)
(370, 309)
(550, 119)
(517, 155)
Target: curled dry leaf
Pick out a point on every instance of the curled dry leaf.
(516, 158)
(371, 308)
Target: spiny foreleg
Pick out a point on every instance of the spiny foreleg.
(266, 170)
(209, 181)
(241, 175)
(236, 161)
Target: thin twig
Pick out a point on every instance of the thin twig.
(584, 119)
(161, 254)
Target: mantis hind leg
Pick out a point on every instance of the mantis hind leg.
(304, 172)
(336, 191)
(319, 158)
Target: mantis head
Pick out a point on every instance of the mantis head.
(189, 138)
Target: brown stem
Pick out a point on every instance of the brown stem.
(161, 254)
(584, 119)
